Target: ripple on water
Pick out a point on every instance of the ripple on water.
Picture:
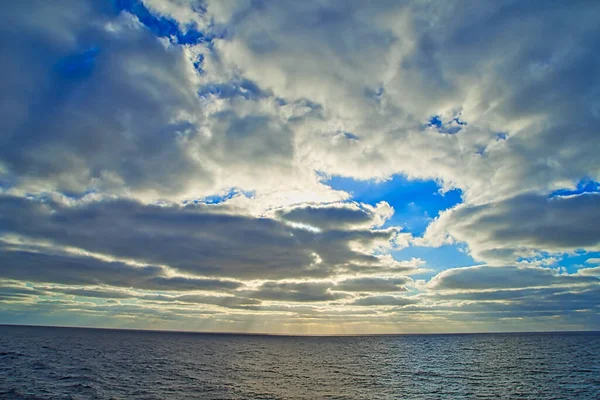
(62, 363)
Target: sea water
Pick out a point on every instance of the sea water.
(69, 363)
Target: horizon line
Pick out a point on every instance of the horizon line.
(225, 333)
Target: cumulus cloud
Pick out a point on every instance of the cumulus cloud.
(416, 60)
(105, 105)
(504, 230)
(93, 107)
(369, 61)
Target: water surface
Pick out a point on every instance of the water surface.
(68, 363)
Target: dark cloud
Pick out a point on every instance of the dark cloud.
(189, 283)
(370, 284)
(192, 238)
(81, 270)
(296, 292)
(333, 216)
(91, 104)
(496, 294)
(504, 229)
(18, 292)
(509, 277)
(223, 301)
(97, 102)
(554, 302)
(114, 293)
(98, 293)
(384, 301)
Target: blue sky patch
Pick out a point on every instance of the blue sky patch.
(572, 262)
(437, 258)
(457, 121)
(415, 202)
(583, 186)
(435, 121)
(218, 199)
(446, 127)
(349, 135)
(198, 63)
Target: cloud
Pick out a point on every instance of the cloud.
(95, 292)
(589, 271)
(10, 292)
(75, 269)
(338, 216)
(93, 107)
(132, 120)
(296, 292)
(370, 284)
(199, 239)
(542, 297)
(187, 12)
(222, 301)
(104, 105)
(504, 230)
(384, 301)
(18, 292)
(568, 299)
(387, 265)
(372, 58)
(507, 277)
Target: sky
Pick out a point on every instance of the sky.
(300, 167)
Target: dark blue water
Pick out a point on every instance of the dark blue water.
(65, 363)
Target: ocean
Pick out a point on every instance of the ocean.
(73, 363)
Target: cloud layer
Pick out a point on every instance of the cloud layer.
(172, 160)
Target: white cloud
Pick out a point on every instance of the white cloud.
(186, 12)
(595, 271)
